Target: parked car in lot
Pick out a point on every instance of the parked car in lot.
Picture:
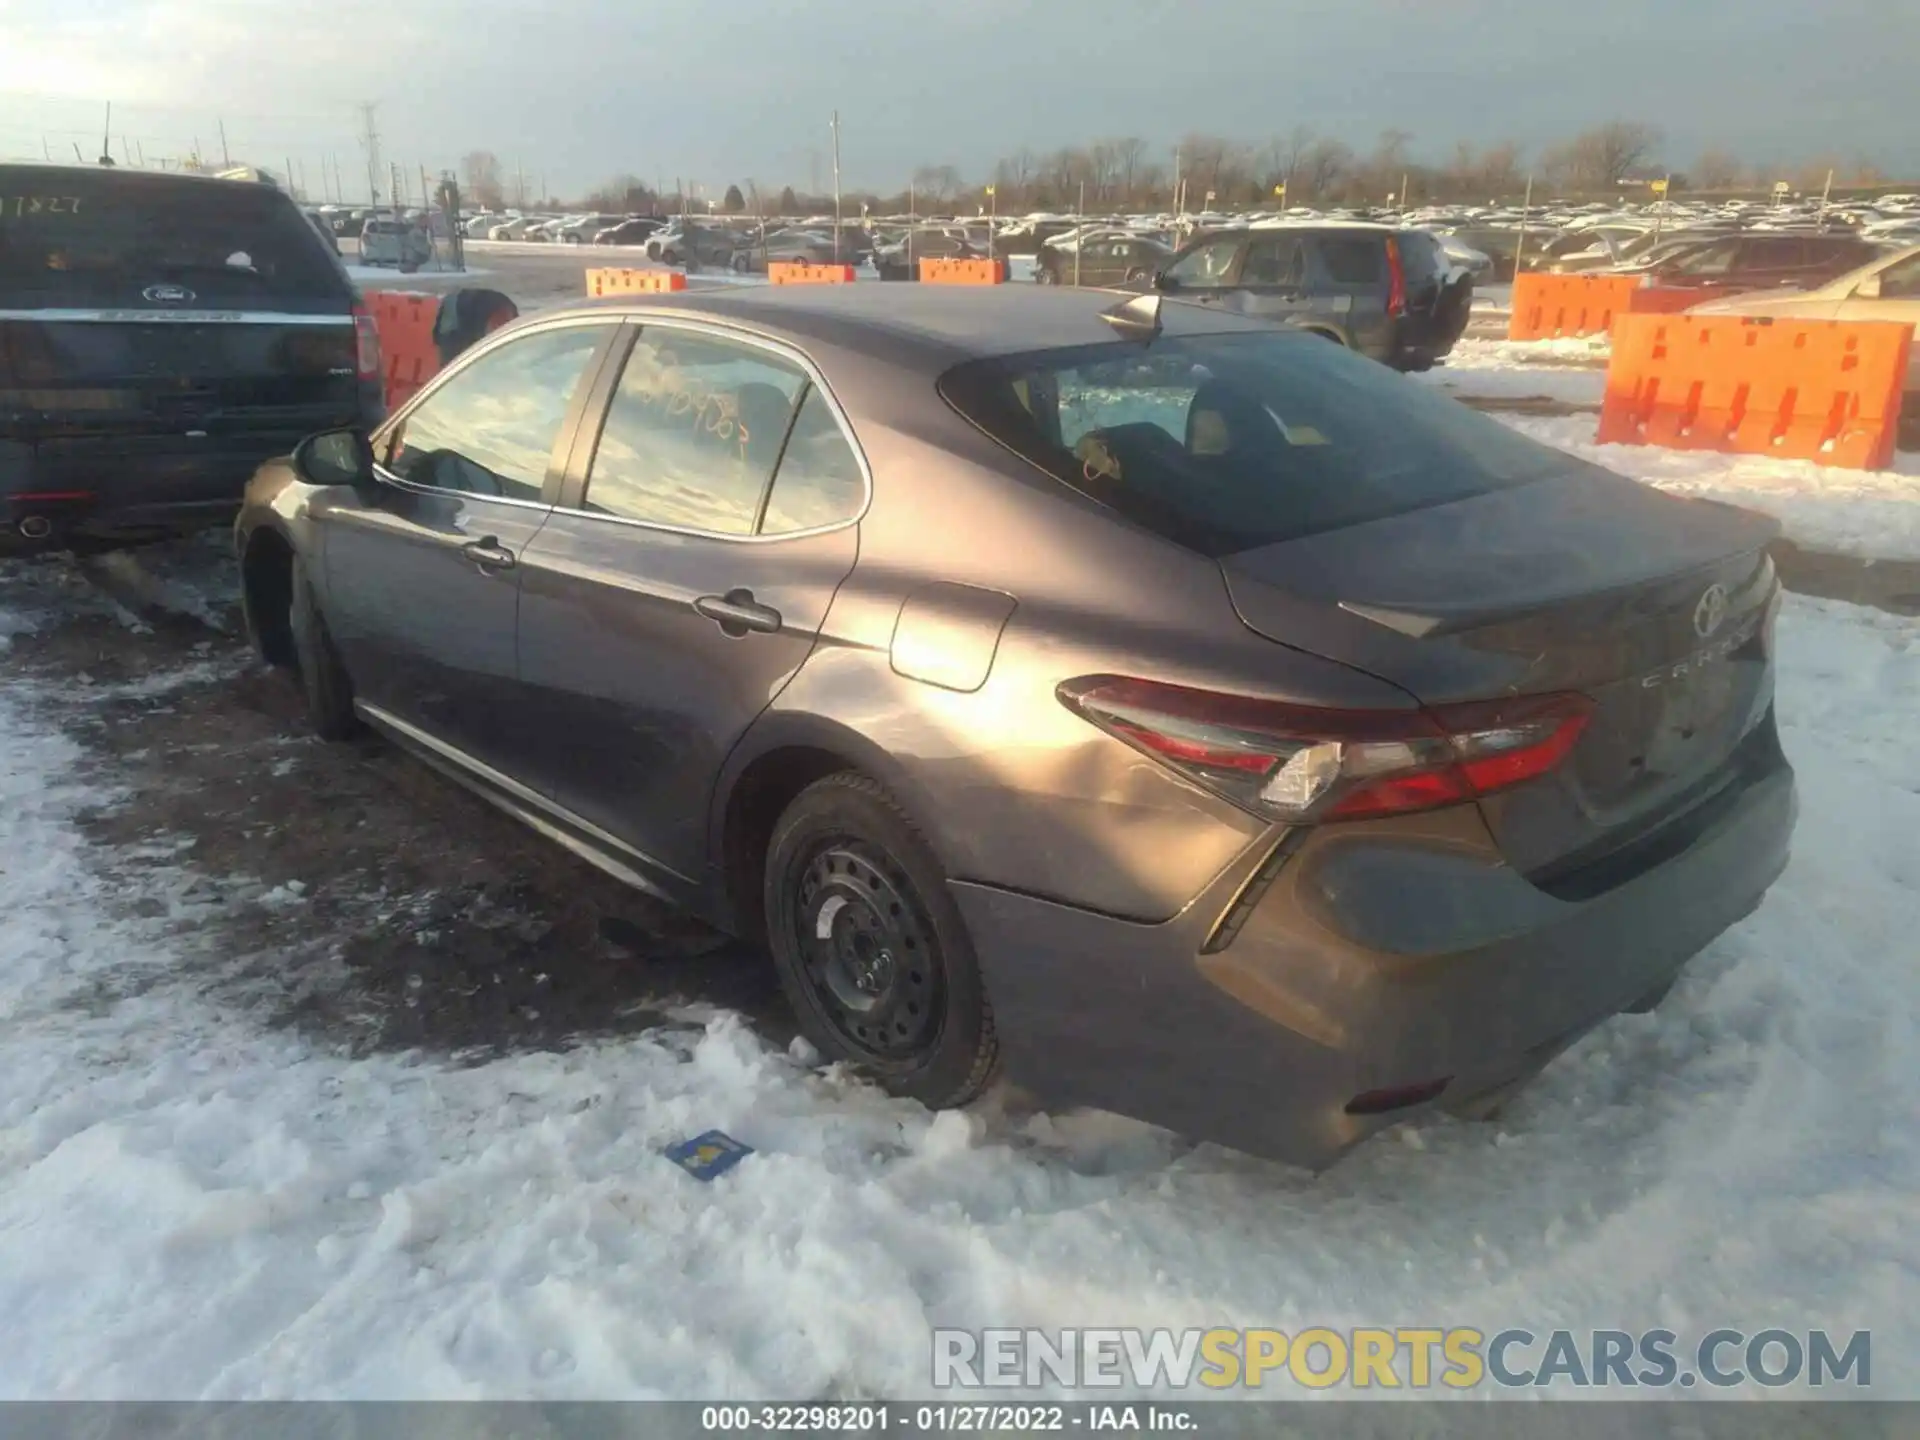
(629, 232)
(1885, 289)
(1502, 246)
(1109, 260)
(160, 336)
(788, 247)
(1755, 261)
(1189, 715)
(1390, 294)
(388, 241)
(900, 259)
(694, 246)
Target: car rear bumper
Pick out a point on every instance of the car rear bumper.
(135, 487)
(1363, 959)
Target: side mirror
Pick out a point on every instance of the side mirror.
(335, 457)
(1868, 289)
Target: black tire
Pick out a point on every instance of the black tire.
(893, 988)
(1043, 276)
(323, 679)
(669, 257)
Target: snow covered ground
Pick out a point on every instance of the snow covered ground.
(193, 1204)
(1873, 514)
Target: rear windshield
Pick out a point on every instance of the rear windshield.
(1228, 442)
(79, 239)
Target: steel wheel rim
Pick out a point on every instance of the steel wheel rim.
(868, 954)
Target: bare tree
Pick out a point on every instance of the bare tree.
(1130, 158)
(1600, 158)
(481, 171)
(1716, 170)
(1323, 168)
(936, 185)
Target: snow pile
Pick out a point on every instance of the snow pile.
(1869, 513)
(193, 1206)
(1587, 350)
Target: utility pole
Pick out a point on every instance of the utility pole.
(226, 156)
(46, 145)
(836, 187)
(370, 142)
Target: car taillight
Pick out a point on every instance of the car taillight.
(1302, 764)
(1396, 279)
(366, 337)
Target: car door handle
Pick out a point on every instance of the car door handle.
(738, 612)
(489, 554)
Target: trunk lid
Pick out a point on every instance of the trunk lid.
(1656, 608)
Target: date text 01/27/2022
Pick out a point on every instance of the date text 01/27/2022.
(952, 1417)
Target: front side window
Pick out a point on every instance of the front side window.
(1206, 267)
(694, 432)
(492, 427)
(1713, 260)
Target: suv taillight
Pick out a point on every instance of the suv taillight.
(1396, 280)
(366, 337)
(1301, 764)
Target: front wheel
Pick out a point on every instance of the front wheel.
(870, 948)
(1043, 276)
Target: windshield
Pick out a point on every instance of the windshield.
(76, 238)
(1228, 442)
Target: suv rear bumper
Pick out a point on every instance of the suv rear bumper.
(1365, 958)
(127, 488)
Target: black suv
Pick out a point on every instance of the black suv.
(161, 336)
(1390, 294)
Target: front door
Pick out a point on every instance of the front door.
(423, 579)
(665, 605)
(1204, 272)
(1273, 278)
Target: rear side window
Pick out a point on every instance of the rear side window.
(694, 432)
(1351, 259)
(1224, 443)
(76, 238)
(819, 482)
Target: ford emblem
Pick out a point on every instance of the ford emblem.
(168, 294)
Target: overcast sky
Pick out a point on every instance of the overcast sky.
(726, 90)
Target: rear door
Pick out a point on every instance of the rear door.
(1273, 281)
(1349, 268)
(423, 579)
(683, 581)
(161, 336)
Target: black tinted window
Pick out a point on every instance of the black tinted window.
(819, 481)
(1228, 442)
(100, 239)
(1351, 259)
(490, 429)
(694, 431)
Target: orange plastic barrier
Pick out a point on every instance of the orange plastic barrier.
(1821, 390)
(1547, 307)
(408, 356)
(963, 272)
(793, 272)
(634, 282)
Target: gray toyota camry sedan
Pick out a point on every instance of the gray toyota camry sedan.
(1183, 714)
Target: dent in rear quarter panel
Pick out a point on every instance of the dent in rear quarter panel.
(1010, 787)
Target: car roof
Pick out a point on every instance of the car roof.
(945, 324)
(128, 175)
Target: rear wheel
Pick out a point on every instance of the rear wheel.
(871, 950)
(1043, 276)
(323, 679)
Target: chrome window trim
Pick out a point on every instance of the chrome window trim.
(641, 321)
(52, 316)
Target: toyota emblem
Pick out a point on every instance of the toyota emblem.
(1711, 613)
(168, 294)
